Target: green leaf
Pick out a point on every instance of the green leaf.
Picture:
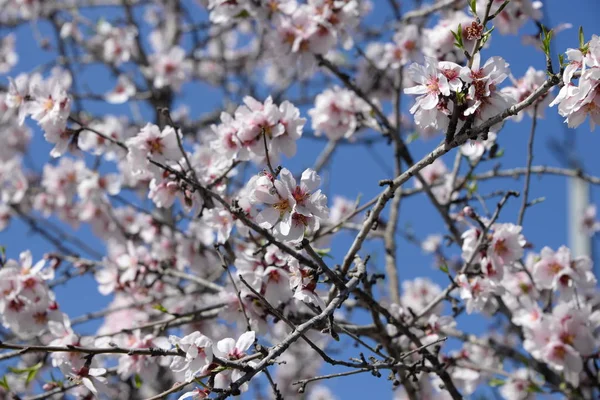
(533, 388)
(138, 381)
(243, 14)
(4, 384)
(581, 38)
(444, 268)
(472, 188)
(161, 308)
(324, 253)
(30, 371)
(412, 137)
(458, 37)
(499, 153)
(30, 377)
(495, 382)
(20, 371)
(473, 7)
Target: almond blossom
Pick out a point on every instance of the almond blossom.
(27, 303)
(290, 208)
(151, 142)
(338, 113)
(8, 56)
(484, 98)
(560, 271)
(589, 224)
(123, 91)
(231, 349)
(578, 101)
(198, 354)
(178, 180)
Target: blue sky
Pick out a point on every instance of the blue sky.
(356, 171)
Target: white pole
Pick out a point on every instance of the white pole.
(578, 199)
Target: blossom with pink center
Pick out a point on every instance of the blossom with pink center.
(430, 85)
(114, 128)
(589, 223)
(50, 107)
(290, 208)
(221, 221)
(476, 292)
(404, 48)
(8, 56)
(198, 354)
(337, 113)
(13, 182)
(578, 101)
(572, 326)
(277, 286)
(559, 271)
(27, 304)
(524, 87)
(529, 316)
(437, 176)
(122, 92)
(304, 285)
(438, 41)
(169, 68)
(565, 359)
(116, 44)
(484, 97)
(151, 142)
(195, 394)
(519, 386)
(507, 244)
(258, 119)
(234, 350)
(474, 149)
(417, 294)
(92, 379)
(164, 192)
(144, 366)
(341, 209)
(227, 141)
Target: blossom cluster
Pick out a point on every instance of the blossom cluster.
(288, 207)
(578, 101)
(258, 128)
(216, 256)
(338, 113)
(27, 303)
(47, 102)
(299, 30)
(443, 85)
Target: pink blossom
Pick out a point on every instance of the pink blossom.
(8, 56)
(337, 113)
(151, 142)
(122, 92)
(198, 354)
(169, 68)
(431, 85)
(589, 224)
